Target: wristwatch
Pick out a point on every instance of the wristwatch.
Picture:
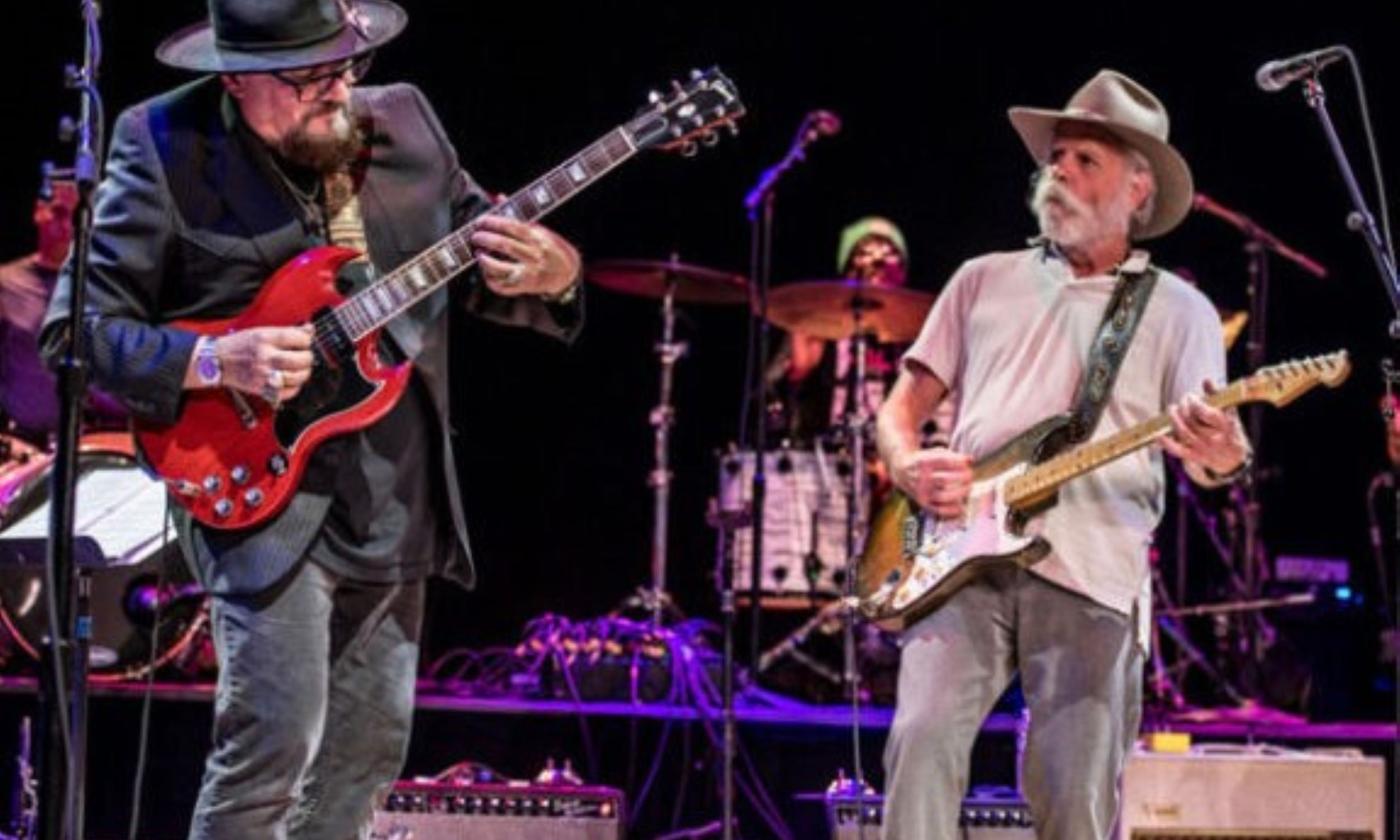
(206, 363)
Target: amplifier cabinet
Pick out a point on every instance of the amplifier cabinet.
(431, 811)
(1223, 792)
(987, 814)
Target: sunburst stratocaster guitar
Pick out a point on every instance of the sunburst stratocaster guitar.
(235, 461)
(913, 561)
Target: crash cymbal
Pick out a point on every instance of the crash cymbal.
(835, 309)
(651, 278)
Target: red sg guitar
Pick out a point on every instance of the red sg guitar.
(234, 461)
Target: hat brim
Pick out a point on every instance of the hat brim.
(1175, 189)
(194, 47)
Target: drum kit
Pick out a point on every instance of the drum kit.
(816, 500)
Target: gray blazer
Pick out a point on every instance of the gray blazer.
(189, 221)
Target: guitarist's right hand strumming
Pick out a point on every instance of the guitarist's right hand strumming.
(268, 362)
(938, 479)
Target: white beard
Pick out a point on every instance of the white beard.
(1072, 224)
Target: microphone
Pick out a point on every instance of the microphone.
(818, 124)
(144, 600)
(1276, 75)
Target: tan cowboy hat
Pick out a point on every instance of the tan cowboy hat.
(1127, 110)
(259, 36)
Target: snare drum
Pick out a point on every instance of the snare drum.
(804, 535)
(123, 509)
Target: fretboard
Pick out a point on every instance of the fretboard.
(374, 306)
(1046, 477)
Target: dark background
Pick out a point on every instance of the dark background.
(554, 442)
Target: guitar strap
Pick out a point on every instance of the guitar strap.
(1115, 334)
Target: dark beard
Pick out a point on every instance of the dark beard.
(323, 154)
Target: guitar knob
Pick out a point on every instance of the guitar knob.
(222, 508)
(239, 474)
(253, 497)
(277, 464)
(212, 484)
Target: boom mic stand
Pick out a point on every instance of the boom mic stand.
(1253, 566)
(759, 204)
(64, 701)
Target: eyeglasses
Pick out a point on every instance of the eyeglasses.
(313, 83)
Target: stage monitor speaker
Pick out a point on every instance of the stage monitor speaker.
(1224, 792)
(434, 811)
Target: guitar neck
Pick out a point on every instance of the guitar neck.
(1047, 477)
(374, 306)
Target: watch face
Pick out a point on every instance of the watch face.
(207, 367)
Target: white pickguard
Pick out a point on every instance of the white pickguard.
(944, 546)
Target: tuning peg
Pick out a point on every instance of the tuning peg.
(654, 97)
(689, 149)
(709, 138)
(698, 120)
(677, 131)
(696, 74)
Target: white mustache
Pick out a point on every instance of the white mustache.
(1048, 190)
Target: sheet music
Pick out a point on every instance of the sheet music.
(118, 505)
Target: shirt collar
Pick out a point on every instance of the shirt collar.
(1136, 262)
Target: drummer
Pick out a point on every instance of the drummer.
(27, 393)
(808, 376)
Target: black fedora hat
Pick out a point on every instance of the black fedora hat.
(256, 36)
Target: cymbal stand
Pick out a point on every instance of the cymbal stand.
(856, 422)
(655, 599)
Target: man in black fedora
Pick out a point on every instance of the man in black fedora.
(1010, 338)
(209, 188)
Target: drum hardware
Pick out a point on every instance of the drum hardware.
(130, 568)
(671, 281)
(1250, 565)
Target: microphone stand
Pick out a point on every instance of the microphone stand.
(1360, 219)
(64, 732)
(759, 204)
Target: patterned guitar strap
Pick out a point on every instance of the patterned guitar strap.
(1120, 322)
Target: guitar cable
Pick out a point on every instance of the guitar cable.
(144, 733)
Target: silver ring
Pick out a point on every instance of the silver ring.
(270, 395)
(513, 277)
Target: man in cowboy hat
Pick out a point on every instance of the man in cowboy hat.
(209, 188)
(1009, 336)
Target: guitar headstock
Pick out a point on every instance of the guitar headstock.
(1283, 383)
(689, 114)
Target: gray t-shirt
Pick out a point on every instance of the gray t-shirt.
(1010, 335)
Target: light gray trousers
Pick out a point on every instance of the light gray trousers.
(312, 709)
(1081, 674)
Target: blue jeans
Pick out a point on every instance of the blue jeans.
(1081, 674)
(313, 707)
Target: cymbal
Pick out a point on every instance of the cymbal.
(829, 308)
(651, 278)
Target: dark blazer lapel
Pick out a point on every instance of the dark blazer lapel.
(249, 186)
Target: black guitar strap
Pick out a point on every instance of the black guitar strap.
(1115, 334)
